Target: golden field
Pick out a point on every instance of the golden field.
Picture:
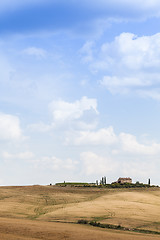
(51, 212)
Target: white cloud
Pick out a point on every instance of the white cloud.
(132, 52)
(87, 125)
(10, 127)
(34, 51)
(55, 163)
(123, 143)
(138, 52)
(153, 93)
(63, 111)
(40, 127)
(123, 84)
(103, 136)
(130, 144)
(95, 164)
(130, 157)
(69, 117)
(139, 169)
(21, 155)
(129, 63)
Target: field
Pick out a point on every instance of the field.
(52, 212)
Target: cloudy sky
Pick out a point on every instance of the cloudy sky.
(79, 90)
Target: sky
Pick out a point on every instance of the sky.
(79, 91)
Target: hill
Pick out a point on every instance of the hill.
(51, 212)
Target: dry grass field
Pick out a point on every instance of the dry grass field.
(50, 212)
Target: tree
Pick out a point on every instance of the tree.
(149, 181)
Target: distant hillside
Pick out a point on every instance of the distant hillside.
(123, 208)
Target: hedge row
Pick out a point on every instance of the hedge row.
(118, 227)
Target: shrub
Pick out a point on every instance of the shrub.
(82, 221)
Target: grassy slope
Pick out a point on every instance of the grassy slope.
(130, 208)
(13, 229)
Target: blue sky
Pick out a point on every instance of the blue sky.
(79, 91)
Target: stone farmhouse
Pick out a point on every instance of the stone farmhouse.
(124, 180)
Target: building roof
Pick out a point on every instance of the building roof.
(125, 178)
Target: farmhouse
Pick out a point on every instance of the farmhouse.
(124, 180)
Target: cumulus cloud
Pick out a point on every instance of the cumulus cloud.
(55, 163)
(67, 117)
(129, 157)
(103, 136)
(95, 164)
(134, 52)
(129, 64)
(63, 111)
(130, 144)
(10, 127)
(122, 143)
(124, 84)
